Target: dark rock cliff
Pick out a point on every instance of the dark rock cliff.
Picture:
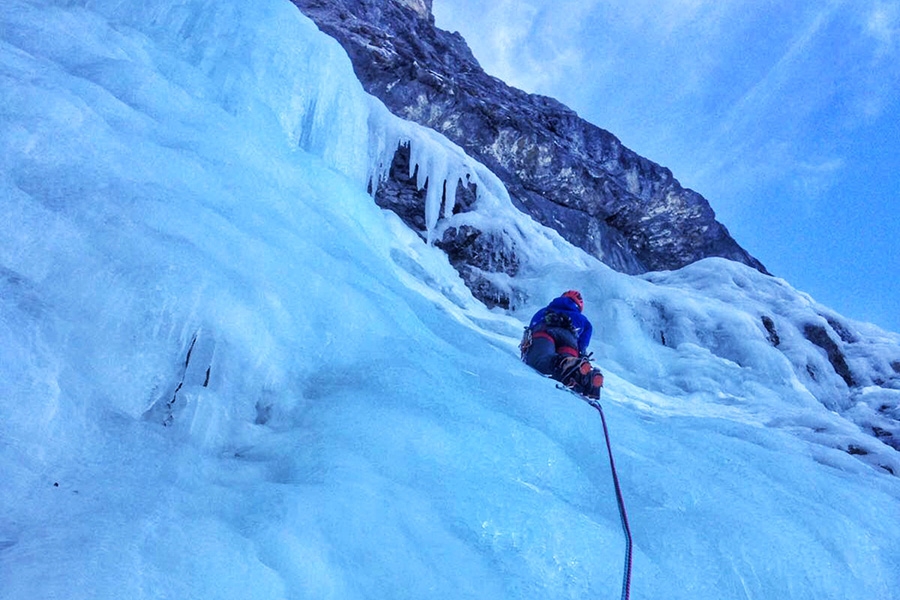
(567, 173)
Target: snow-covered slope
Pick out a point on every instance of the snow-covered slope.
(227, 374)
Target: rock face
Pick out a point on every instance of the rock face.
(565, 172)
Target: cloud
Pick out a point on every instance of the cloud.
(497, 32)
(531, 45)
(877, 89)
(883, 25)
(816, 179)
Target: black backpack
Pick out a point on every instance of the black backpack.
(558, 320)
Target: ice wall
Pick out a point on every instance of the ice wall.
(227, 374)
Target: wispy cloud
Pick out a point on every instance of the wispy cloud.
(883, 25)
(531, 45)
(747, 123)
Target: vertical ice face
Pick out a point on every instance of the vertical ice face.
(226, 373)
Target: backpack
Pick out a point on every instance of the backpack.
(559, 320)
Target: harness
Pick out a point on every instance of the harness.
(555, 327)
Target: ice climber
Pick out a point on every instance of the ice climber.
(555, 343)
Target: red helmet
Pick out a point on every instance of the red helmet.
(575, 296)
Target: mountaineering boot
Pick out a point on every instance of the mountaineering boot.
(594, 383)
(565, 366)
(572, 370)
(578, 374)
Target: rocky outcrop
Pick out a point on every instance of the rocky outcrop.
(818, 335)
(479, 256)
(567, 173)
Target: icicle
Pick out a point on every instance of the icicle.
(437, 175)
(381, 153)
(450, 194)
(440, 167)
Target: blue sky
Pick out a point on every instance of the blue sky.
(784, 115)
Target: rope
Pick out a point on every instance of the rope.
(626, 578)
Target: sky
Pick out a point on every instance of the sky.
(226, 373)
(784, 115)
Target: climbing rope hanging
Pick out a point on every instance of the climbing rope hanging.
(626, 578)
